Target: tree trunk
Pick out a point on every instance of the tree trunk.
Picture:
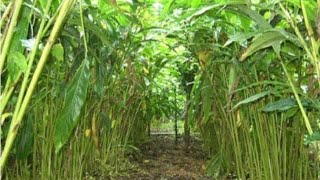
(187, 125)
(149, 128)
(175, 117)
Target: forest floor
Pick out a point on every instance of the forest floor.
(162, 159)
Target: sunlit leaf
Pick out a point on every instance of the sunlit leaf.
(17, 64)
(43, 4)
(58, 52)
(255, 16)
(195, 3)
(203, 10)
(167, 8)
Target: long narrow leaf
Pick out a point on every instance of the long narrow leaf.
(76, 96)
(289, 103)
(203, 10)
(264, 40)
(252, 98)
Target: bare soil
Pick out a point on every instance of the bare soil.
(162, 159)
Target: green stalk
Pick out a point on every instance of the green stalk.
(14, 126)
(296, 95)
(314, 45)
(10, 86)
(83, 30)
(5, 15)
(311, 54)
(51, 20)
(6, 94)
(30, 62)
(8, 38)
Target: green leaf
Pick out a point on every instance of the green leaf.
(75, 99)
(291, 112)
(100, 75)
(214, 165)
(240, 37)
(106, 119)
(312, 138)
(24, 141)
(255, 16)
(16, 61)
(264, 40)
(58, 52)
(289, 103)
(168, 7)
(207, 100)
(43, 4)
(17, 64)
(203, 10)
(92, 27)
(281, 105)
(21, 31)
(252, 98)
(310, 8)
(196, 3)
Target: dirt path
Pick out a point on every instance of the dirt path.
(162, 159)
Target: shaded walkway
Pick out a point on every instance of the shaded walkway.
(162, 159)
